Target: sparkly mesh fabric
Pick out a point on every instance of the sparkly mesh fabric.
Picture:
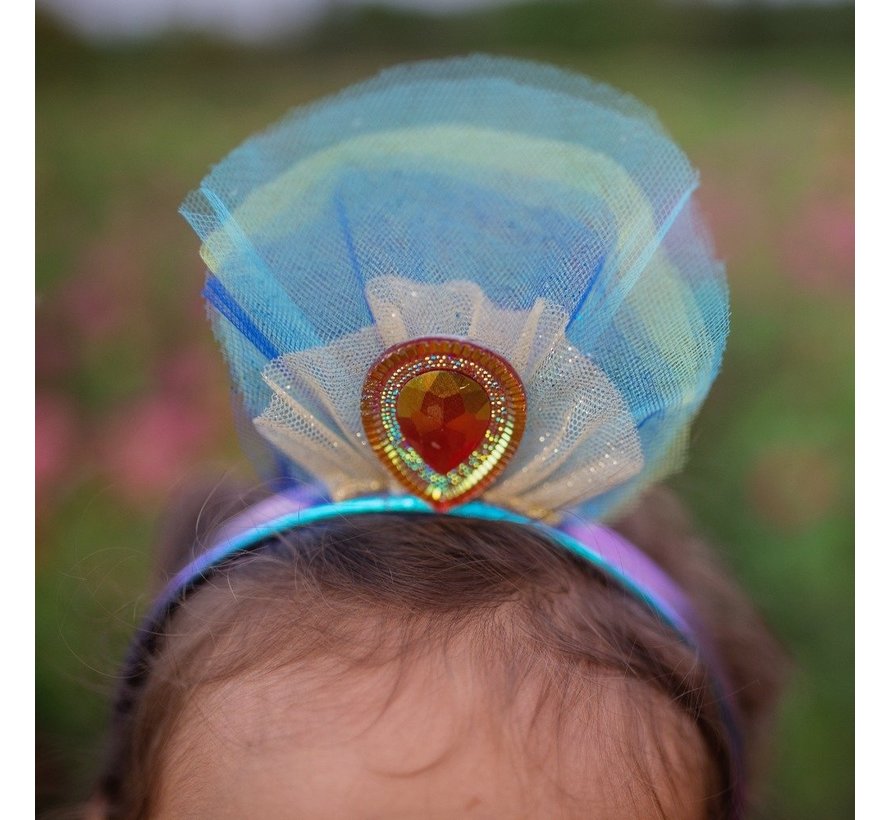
(523, 208)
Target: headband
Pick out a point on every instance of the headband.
(478, 287)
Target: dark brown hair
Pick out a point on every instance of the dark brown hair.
(342, 586)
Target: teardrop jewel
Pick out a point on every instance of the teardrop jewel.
(445, 417)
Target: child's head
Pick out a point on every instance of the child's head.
(430, 666)
(480, 286)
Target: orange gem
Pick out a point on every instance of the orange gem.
(443, 415)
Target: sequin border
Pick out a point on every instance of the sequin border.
(403, 362)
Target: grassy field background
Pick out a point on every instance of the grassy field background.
(132, 400)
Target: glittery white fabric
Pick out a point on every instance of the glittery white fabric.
(525, 208)
(580, 439)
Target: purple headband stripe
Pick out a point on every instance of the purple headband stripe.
(614, 555)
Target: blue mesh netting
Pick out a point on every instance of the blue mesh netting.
(527, 180)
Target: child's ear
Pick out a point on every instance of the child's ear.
(192, 515)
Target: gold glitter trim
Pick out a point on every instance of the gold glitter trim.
(403, 362)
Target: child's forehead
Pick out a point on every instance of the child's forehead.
(432, 738)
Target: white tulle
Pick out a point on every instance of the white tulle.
(580, 439)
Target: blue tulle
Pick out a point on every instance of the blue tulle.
(527, 180)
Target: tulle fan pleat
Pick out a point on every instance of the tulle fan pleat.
(523, 208)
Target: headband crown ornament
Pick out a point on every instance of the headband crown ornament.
(469, 278)
(445, 416)
(479, 286)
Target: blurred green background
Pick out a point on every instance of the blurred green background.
(132, 399)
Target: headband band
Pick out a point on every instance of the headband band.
(617, 558)
(482, 282)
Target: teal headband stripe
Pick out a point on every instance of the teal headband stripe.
(599, 546)
(375, 505)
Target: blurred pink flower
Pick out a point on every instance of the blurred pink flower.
(196, 371)
(103, 292)
(54, 355)
(819, 246)
(55, 433)
(151, 443)
(94, 307)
